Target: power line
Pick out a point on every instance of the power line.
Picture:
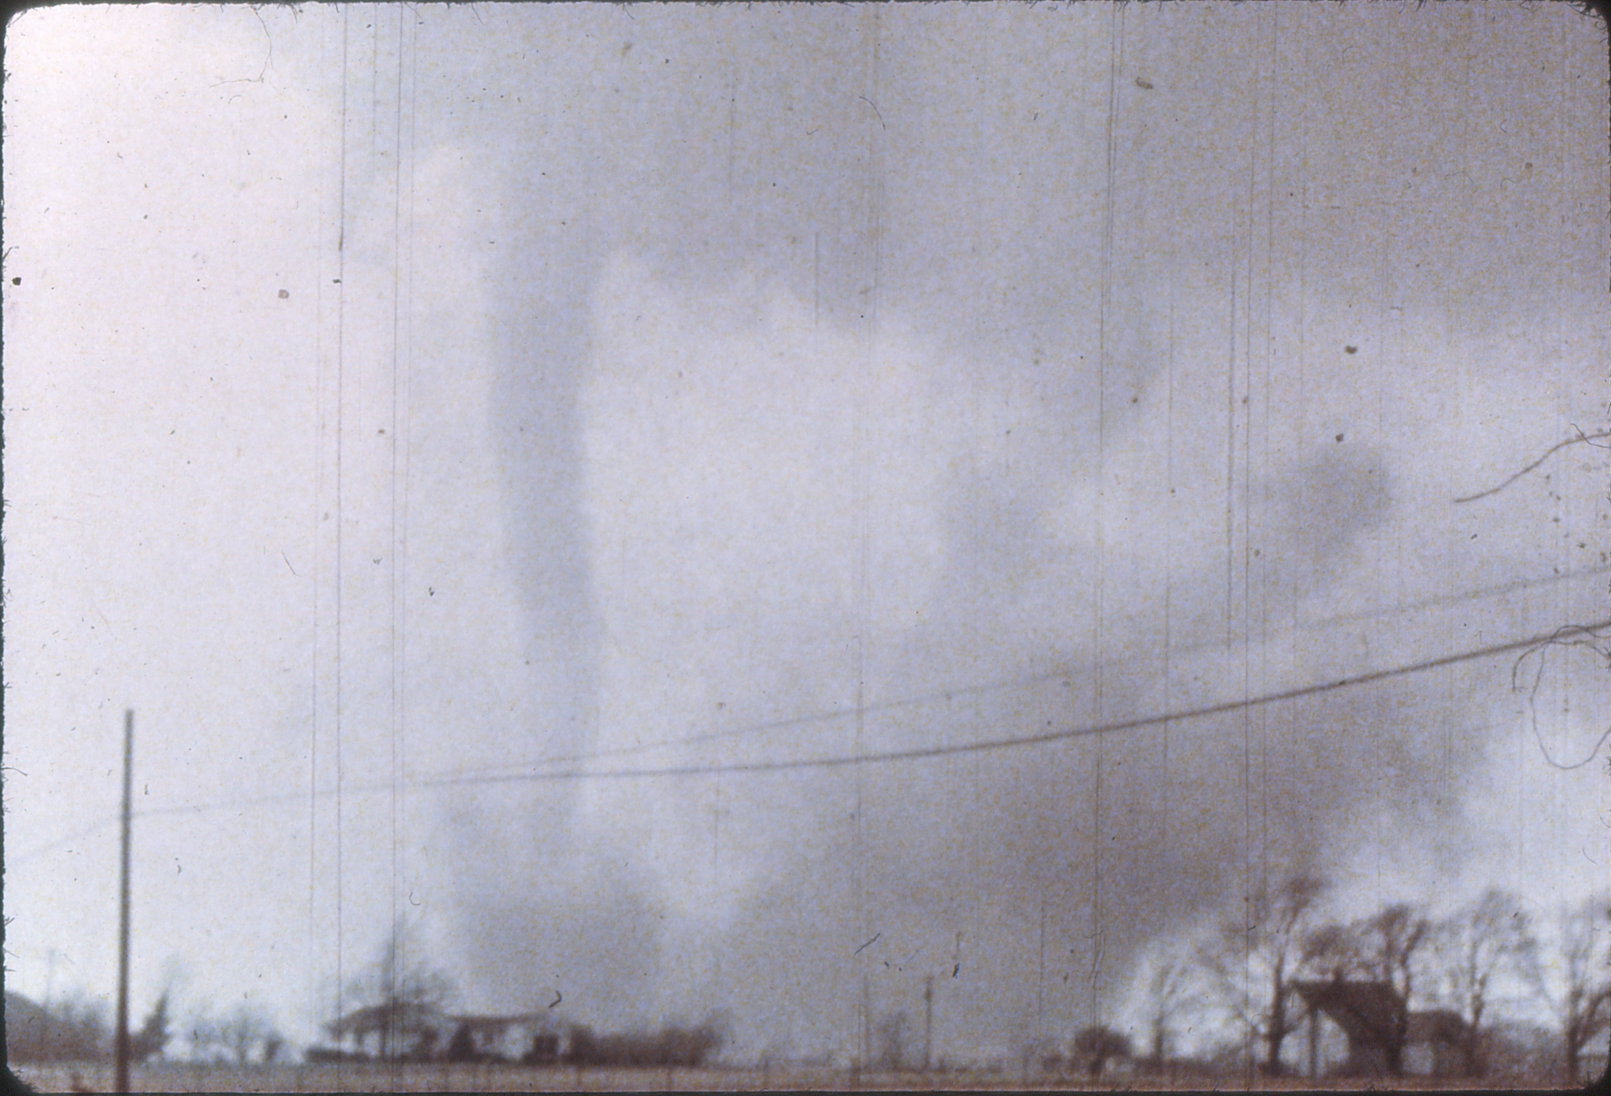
(917, 753)
(1062, 671)
(924, 752)
(1452, 599)
(832, 714)
(937, 696)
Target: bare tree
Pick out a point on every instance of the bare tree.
(1166, 993)
(403, 972)
(1392, 940)
(1492, 937)
(399, 987)
(1252, 962)
(73, 1028)
(206, 1034)
(1578, 985)
(1097, 1044)
(244, 1030)
(153, 1036)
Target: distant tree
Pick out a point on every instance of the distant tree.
(246, 1030)
(1331, 950)
(400, 987)
(1520, 1052)
(206, 1034)
(1097, 1044)
(1167, 989)
(405, 973)
(1492, 937)
(1391, 941)
(669, 1046)
(685, 1046)
(1577, 984)
(1251, 963)
(71, 1029)
(83, 1023)
(1041, 1052)
(152, 1038)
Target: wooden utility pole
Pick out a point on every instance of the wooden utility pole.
(928, 1020)
(121, 1083)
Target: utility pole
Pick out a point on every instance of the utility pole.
(122, 1048)
(1040, 978)
(928, 1020)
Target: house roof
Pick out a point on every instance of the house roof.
(1366, 1011)
(493, 1025)
(409, 1017)
(392, 1015)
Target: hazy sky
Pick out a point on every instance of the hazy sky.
(394, 395)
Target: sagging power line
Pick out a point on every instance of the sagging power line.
(925, 752)
(1530, 644)
(1059, 671)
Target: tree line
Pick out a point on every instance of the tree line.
(1506, 982)
(76, 1028)
(1526, 993)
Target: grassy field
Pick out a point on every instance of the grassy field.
(362, 1077)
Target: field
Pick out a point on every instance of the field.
(182, 1077)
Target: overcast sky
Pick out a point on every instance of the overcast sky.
(401, 394)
